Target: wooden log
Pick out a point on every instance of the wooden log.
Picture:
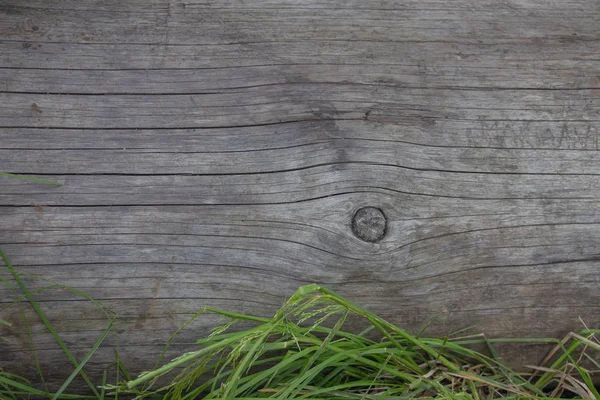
(423, 158)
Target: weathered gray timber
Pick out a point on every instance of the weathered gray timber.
(217, 153)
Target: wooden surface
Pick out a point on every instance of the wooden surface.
(215, 153)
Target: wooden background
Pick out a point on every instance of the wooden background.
(214, 152)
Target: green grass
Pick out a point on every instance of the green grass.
(306, 351)
(10, 384)
(30, 179)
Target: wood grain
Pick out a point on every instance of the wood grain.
(214, 154)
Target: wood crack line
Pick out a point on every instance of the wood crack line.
(231, 90)
(308, 167)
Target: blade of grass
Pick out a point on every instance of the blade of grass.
(471, 377)
(588, 381)
(241, 368)
(35, 392)
(18, 302)
(103, 387)
(45, 320)
(122, 368)
(298, 384)
(387, 360)
(270, 373)
(85, 359)
(184, 359)
(577, 342)
(379, 323)
(323, 345)
(30, 179)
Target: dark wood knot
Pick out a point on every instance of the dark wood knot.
(369, 224)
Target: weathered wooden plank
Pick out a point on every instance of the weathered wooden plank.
(299, 186)
(215, 152)
(491, 65)
(410, 130)
(176, 22)
(243, 151)
(424, 73)
(268, 105)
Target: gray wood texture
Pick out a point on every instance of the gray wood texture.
(215, 152)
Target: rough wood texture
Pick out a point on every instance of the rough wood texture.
(215, 153)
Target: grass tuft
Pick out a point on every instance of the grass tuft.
(305, 352)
